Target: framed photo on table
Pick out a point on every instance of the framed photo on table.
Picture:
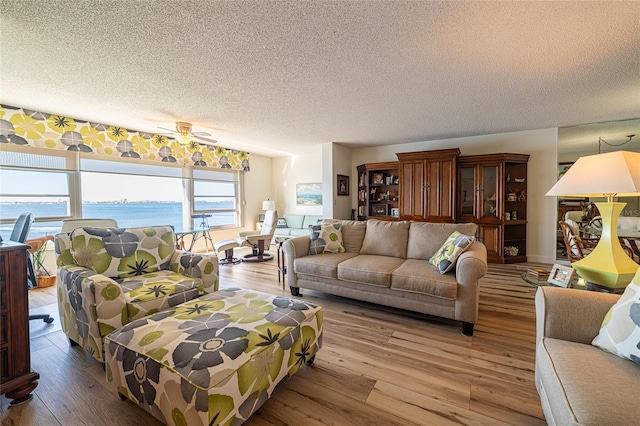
(561, 275)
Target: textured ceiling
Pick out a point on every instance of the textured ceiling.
(276, 77)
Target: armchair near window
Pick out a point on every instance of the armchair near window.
(110, 277)
(260, 240)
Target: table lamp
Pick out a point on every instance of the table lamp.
(268, 205)
(609, 175)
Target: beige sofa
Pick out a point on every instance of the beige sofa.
(580, 384)
(388, 263)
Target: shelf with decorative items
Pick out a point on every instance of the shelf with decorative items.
(492, 192)
(378, 190)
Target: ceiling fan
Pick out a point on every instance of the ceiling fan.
(185, 135)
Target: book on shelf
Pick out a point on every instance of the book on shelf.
(538, 272)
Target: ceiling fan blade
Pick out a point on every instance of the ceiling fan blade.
(200, 134)
(164, 128)
(206, 141)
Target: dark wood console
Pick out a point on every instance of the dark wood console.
(17, 380)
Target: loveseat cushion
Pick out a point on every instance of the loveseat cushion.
(325, 266)
(425, 238)
(294, 220)
(573, 394)
(123, 252)
(369, 269)
(310, 220)
(419, 276)
(385, 238)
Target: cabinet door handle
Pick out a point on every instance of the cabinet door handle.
(425, 186)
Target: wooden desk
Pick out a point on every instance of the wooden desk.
(17, 380)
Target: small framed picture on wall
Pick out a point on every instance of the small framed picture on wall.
(343, 185)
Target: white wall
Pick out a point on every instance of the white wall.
(541, 145)
(341, 165)
(290, 170)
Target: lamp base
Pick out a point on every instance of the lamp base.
(608, 265)
(603, 289)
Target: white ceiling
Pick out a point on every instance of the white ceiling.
(275, 77)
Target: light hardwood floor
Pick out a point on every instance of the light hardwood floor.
(378, 366)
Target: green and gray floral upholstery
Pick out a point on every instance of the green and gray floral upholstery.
(110, 277)
(213, 360)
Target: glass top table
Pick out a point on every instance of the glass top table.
(534, 281)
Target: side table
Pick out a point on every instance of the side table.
(282, 267)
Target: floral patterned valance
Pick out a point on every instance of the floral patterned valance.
(25, 127)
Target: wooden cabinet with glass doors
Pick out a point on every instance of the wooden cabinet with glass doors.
(492, 192)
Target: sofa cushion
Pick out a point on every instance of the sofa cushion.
(445, 258)
(581, 384)
(425, 238)
(384, 238)
(419, 276)
(325, 266)
(369, 269)
(294, 220)
(123, 252)
(620, 332)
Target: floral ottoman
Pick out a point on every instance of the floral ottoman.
(215, 359)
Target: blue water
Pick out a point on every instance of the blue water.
(127, 215)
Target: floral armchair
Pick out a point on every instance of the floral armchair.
(110, 277)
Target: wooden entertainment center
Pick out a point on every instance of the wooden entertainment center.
(442, 186)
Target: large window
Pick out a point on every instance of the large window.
(216, 193)
(134, 194)
(36, 184)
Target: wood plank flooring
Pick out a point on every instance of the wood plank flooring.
(378, 365)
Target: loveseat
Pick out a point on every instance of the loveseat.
(294, 225)
(387, 263)
(110, 277)
(579, 383)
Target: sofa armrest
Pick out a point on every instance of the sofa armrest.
(293, 249)
(572, 315)
(197, 265)
(470, 267)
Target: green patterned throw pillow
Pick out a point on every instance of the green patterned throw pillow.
(445, 258)
(326, 238)
(620, 332)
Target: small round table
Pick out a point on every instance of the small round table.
(534, 281)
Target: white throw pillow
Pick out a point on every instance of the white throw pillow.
(620, 331)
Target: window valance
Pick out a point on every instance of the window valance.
(42, 130)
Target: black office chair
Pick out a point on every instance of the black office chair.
(19, 235)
